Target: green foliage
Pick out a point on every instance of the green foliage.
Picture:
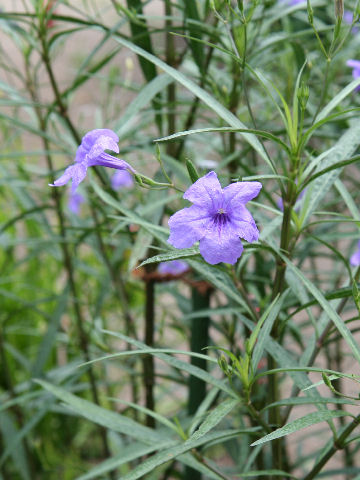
(98, 348)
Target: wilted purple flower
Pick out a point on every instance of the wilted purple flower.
(121, 179)
(75, 201)
(355, 257)
(175, 267)
(218, 218)
(355, 65)
(92, 152)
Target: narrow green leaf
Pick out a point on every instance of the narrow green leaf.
(128, 454)
(101, 416)
(262, 334)
(214, 417)
(9, 432)
(172, 255)
(172, 453)
(300, 423)
(267, 473)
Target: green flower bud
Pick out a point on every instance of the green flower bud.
(303, 95)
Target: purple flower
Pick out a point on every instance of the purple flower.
(92, 152)
(75, 201)
(355, 65)
(355, 257)
(218, 218)
(121, 179)
(175, 267)
(348, 18)
(295, 2)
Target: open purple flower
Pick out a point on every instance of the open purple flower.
(355, 257)
(92, 152)
(175, 267)
(355, 65)
(75, 201)
(217, 218)
(121, 179)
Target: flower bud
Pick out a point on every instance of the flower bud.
(303, 95)
(223, 364)
(339, 9)
(193, 174)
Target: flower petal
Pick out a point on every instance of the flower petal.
(65, 177)
(206, 192)
(121, 179)
(238, 193)
(353, 64)
(75, 201)
(221, 245)
(78, 175)
(93, 136)
(187, 226)
(355, 257)
(102, 143)
(106, 160)
(243, 223)
(174, 267)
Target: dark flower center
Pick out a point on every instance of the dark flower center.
(221, 217)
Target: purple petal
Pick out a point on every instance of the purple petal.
(244, 225)
(65, 177)
(355, 257)
(205, 192)
(121, 179)
(188, 225)
(239, 193)
(102, 143)
(353, 64)
(97, 137)
(106, 160)
(75, 201)
(348, 17)
(221, 245)
(78, 175)
(76, 172)
(175, 267)
(93, 136)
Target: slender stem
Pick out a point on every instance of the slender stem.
(148, 360)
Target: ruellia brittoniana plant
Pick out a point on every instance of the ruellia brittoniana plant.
(179, 234)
